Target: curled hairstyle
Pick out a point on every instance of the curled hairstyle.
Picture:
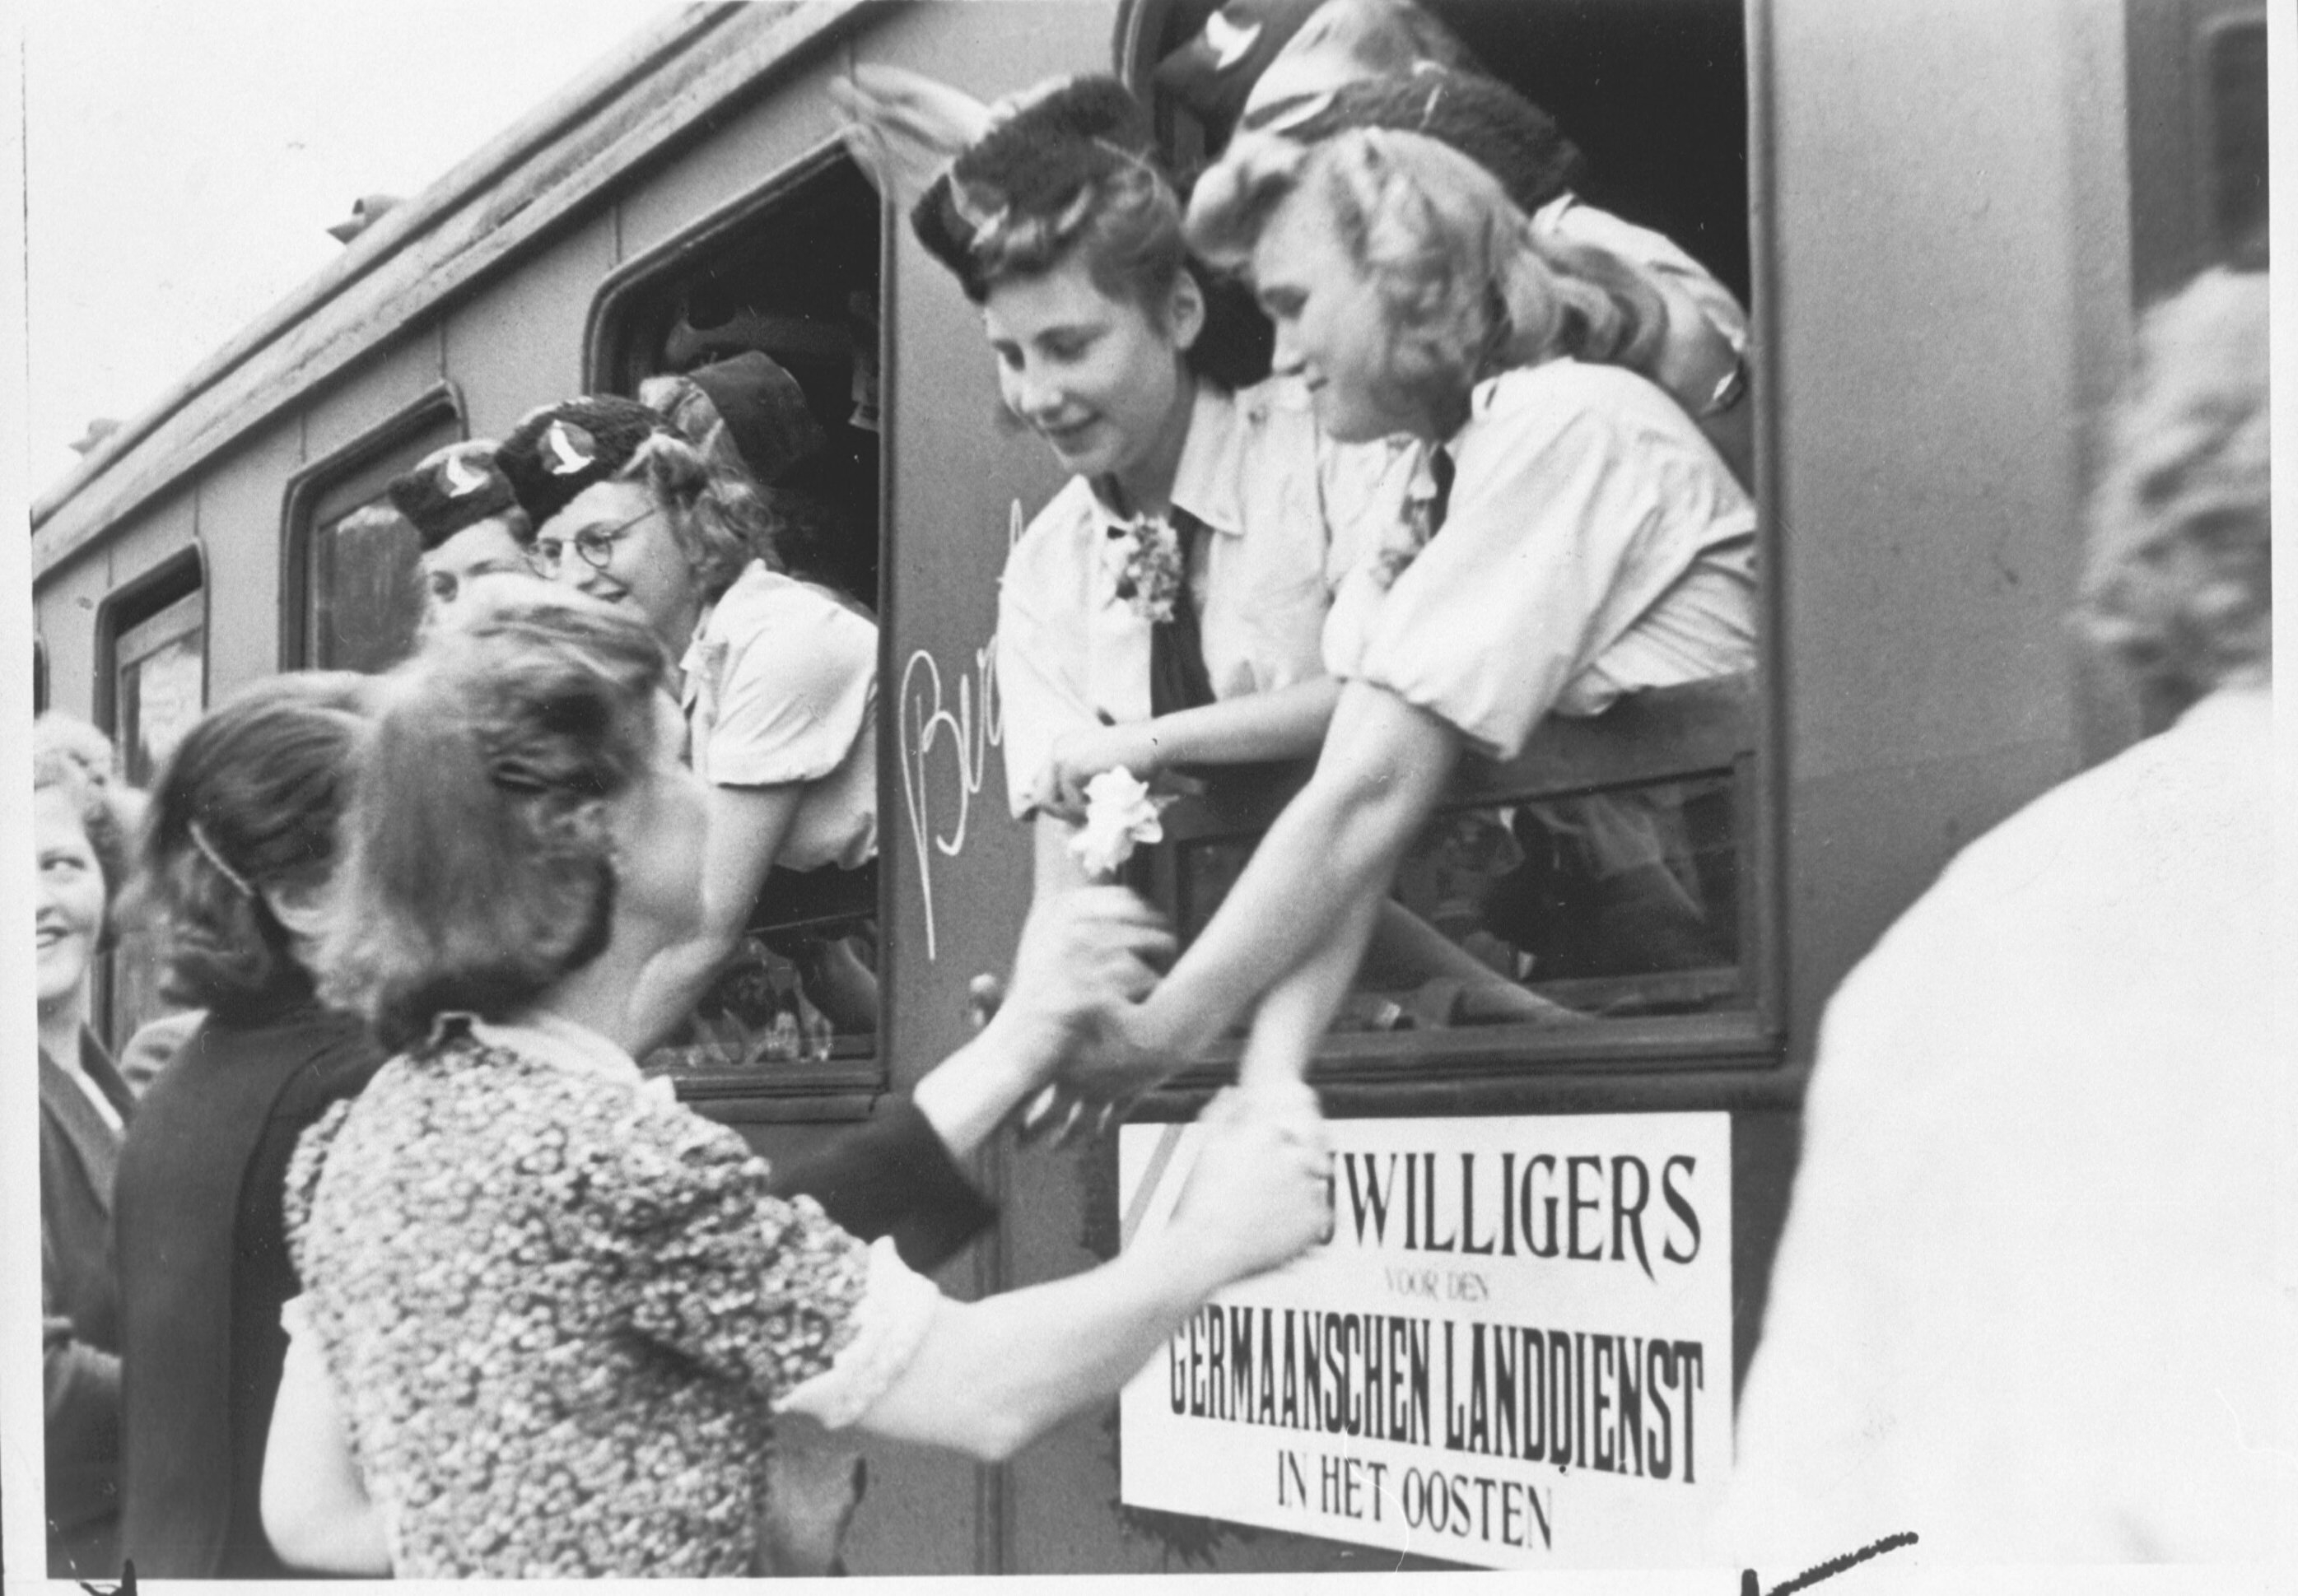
(74, 757)
(249, 800)
(732, 498)
(2179, 577)
(478, 868)
(714, 510)
(1467, 288)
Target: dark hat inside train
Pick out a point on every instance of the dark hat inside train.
(765, 411)
(555, 452)
(451, 490)
(1482, 118)
(1034, 163)
(1214, 72)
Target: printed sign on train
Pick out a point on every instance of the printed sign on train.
(1516, 1351)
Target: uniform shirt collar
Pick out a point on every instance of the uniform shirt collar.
(1205, 478)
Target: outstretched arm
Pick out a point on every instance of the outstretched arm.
(1258, 1195)
(747, 827)
(1286, 724)
(1331, 855)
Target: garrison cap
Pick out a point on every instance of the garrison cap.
(1480, 117)
(555, 452)
(1036, 164)
(451, 488)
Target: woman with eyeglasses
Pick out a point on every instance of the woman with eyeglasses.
(778, 683)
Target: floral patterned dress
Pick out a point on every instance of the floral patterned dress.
(560, 1310)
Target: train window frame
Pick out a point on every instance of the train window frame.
(1414, 1068)
(352, 474)
(156, 608)
(840, 1088)
(2214, 122)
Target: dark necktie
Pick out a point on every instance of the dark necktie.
(1178, 677)
(1441, 468)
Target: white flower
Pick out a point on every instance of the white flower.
(1119, 814)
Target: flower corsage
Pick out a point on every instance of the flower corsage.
(1144, 558)
(1119, 815)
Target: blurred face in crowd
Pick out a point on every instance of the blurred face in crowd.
(1333, 328)
(614, 542)
(1099, 378)
(70, 905)
(483, 549)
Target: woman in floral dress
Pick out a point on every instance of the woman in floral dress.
(550, 1314)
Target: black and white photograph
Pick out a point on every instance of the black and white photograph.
(770, 838)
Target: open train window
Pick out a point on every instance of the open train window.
(354, 594)
(1603, 894)
(792, 272)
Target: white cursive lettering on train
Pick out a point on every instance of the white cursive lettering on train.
(928, 718)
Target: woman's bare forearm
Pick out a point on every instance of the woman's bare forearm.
(1331, 853)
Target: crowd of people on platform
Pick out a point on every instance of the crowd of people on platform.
(402, 1264)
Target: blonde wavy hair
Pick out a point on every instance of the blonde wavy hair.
(735, 498)
(2178, 582)
(1469, 289)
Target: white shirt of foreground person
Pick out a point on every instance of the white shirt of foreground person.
(2025, 1304)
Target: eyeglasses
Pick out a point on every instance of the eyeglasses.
(544, 556)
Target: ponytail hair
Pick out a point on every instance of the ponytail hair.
(478, 866)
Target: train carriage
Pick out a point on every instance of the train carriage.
(1941, 217)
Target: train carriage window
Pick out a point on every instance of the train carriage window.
(152, 653)
(1613, 872)
(791, 272)
(2233, 97)
(159, 677)
(354, 587)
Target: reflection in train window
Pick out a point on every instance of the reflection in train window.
(360, 598)
(159, 683)
(155, 689)
(2234, 63)
(791, 274)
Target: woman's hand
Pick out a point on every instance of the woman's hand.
(1261, 1191)
(1079, 756)
(1123, 1060)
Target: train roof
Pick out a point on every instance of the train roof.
(659, 86)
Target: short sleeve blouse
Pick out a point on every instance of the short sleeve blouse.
(1285, 510)
(782, 686)
(560, 1308)
(1595, 544)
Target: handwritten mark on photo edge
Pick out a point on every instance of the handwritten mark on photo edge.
(1750, 1586)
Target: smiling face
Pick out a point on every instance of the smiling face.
(70, 904)
(1332, 329)
(1100, 379)
(644, 567)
